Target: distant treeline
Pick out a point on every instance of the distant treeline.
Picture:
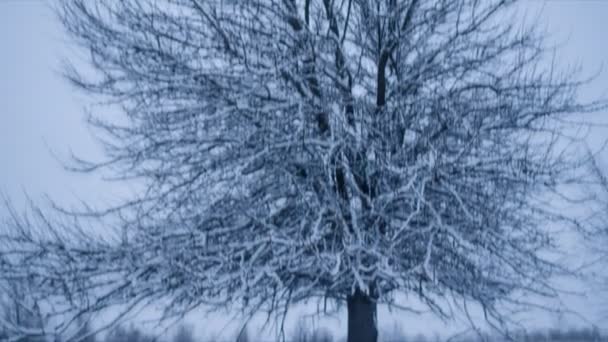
(184, 333)
(303, 332)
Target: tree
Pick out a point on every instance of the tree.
(599, 188)
(290, 150)
(19, 313)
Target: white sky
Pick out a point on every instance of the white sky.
(40, 113)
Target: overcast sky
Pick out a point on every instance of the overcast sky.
(40, 114)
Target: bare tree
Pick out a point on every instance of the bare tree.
(347, 151)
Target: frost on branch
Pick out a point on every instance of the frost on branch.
(297, 149)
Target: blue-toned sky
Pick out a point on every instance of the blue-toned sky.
(40, 114)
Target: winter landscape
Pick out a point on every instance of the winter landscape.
(303, 170)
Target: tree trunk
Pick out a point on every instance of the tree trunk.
(361, 318)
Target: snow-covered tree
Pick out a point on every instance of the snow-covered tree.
(343, 150)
